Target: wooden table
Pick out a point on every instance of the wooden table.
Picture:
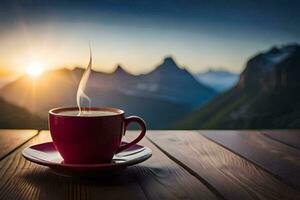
(185, 165)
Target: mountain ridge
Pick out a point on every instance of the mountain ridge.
(261, 99)
(264, 69)
(158, 93)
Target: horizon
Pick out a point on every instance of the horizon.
(138, 34)
(99, 69)
(8, 73)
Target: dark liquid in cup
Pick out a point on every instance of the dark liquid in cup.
(86, 113)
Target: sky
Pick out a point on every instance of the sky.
(138, 34)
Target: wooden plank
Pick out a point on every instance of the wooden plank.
(233, 176)
(288, 137)
(157, 178)
(275, 157)
(162, 178)
(11, 139)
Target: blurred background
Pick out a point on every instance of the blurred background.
(222, 64)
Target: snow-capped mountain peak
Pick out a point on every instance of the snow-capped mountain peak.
(276, 55)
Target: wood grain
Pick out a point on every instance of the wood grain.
(288, 137)
(157, 178)
(275, 157)
(11, 139)
(161, 178)
(233, 176)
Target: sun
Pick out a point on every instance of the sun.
(34, 70)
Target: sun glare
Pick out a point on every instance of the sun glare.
(34, 70)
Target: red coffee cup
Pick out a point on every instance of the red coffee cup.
(91, 138)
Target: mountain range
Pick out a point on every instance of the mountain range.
(219, 80)
(162, 96)
(266, 95)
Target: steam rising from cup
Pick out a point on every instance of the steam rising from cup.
(82, 85)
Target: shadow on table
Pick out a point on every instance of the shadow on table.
(48, 175)
(43, 183)
(130, 182)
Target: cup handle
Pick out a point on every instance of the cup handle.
(142, 125)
